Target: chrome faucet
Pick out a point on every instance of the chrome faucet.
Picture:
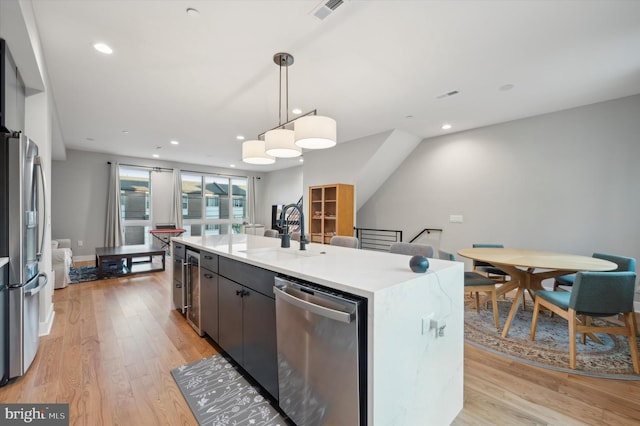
(285, 235)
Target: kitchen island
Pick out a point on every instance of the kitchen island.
(414, 372)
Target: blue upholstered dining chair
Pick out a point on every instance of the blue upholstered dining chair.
(488, 269)
(594, 294)
(624, 264)
(413, 249)
(475, 283)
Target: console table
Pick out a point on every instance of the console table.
(104, 255)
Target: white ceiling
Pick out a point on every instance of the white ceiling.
(371, 65)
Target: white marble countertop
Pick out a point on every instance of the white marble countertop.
(414, 376)
(361, 272)
(3, 261)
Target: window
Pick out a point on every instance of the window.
(213, 205)
(135, 204)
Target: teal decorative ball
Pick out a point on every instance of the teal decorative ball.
(419, 264)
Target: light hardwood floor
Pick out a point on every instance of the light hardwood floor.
(114, 341)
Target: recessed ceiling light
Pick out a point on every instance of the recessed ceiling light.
(446, 126)
(506, 87)
(301, 160)
(175, 142)
(90, 139)
(103, 48)
(232, 165)
(156, 155)
(193, 12)
(240, 137)
(125, 132)
(296, 111)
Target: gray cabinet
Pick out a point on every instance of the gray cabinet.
(209, 294)
(247, 320)
(260, 345)
(230, 311)
(12, 92)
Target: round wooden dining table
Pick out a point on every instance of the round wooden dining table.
(528, 268)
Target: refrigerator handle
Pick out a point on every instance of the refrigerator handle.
(39, 287)
(38, 162)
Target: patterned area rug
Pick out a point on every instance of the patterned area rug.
(218, 395)
(550, 349)
(83, 274)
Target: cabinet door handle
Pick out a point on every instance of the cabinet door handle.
(239, 293)
(208, 276)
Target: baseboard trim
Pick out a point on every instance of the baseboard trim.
(45, 327)
(85, 258)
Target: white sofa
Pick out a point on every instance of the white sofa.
(61, 260)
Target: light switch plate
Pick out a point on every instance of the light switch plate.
(455, 218)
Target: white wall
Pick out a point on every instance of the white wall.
(567, 181)
(341, 164)
(278, 187)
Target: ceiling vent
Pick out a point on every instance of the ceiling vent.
(325, 8)
(446, 95)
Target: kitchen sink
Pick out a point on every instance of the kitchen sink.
(277, 253)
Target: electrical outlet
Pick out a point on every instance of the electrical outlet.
(80, 243)
(426, 323)
(437, 327)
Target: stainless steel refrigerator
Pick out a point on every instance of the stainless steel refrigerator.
(22, 241)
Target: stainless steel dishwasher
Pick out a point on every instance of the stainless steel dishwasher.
(321, 338)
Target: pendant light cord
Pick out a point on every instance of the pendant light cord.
(280, 95)
(283, 59)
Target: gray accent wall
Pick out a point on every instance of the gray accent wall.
(567, 181)
(79, 195)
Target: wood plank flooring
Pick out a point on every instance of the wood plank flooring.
(114, 341)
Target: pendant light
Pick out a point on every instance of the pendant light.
(315, 132)
(310, 131)
(253, 152)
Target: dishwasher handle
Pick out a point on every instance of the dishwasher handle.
(333, 314)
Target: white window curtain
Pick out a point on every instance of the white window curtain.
(113, 236)
(251, 199)
(176, 205)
